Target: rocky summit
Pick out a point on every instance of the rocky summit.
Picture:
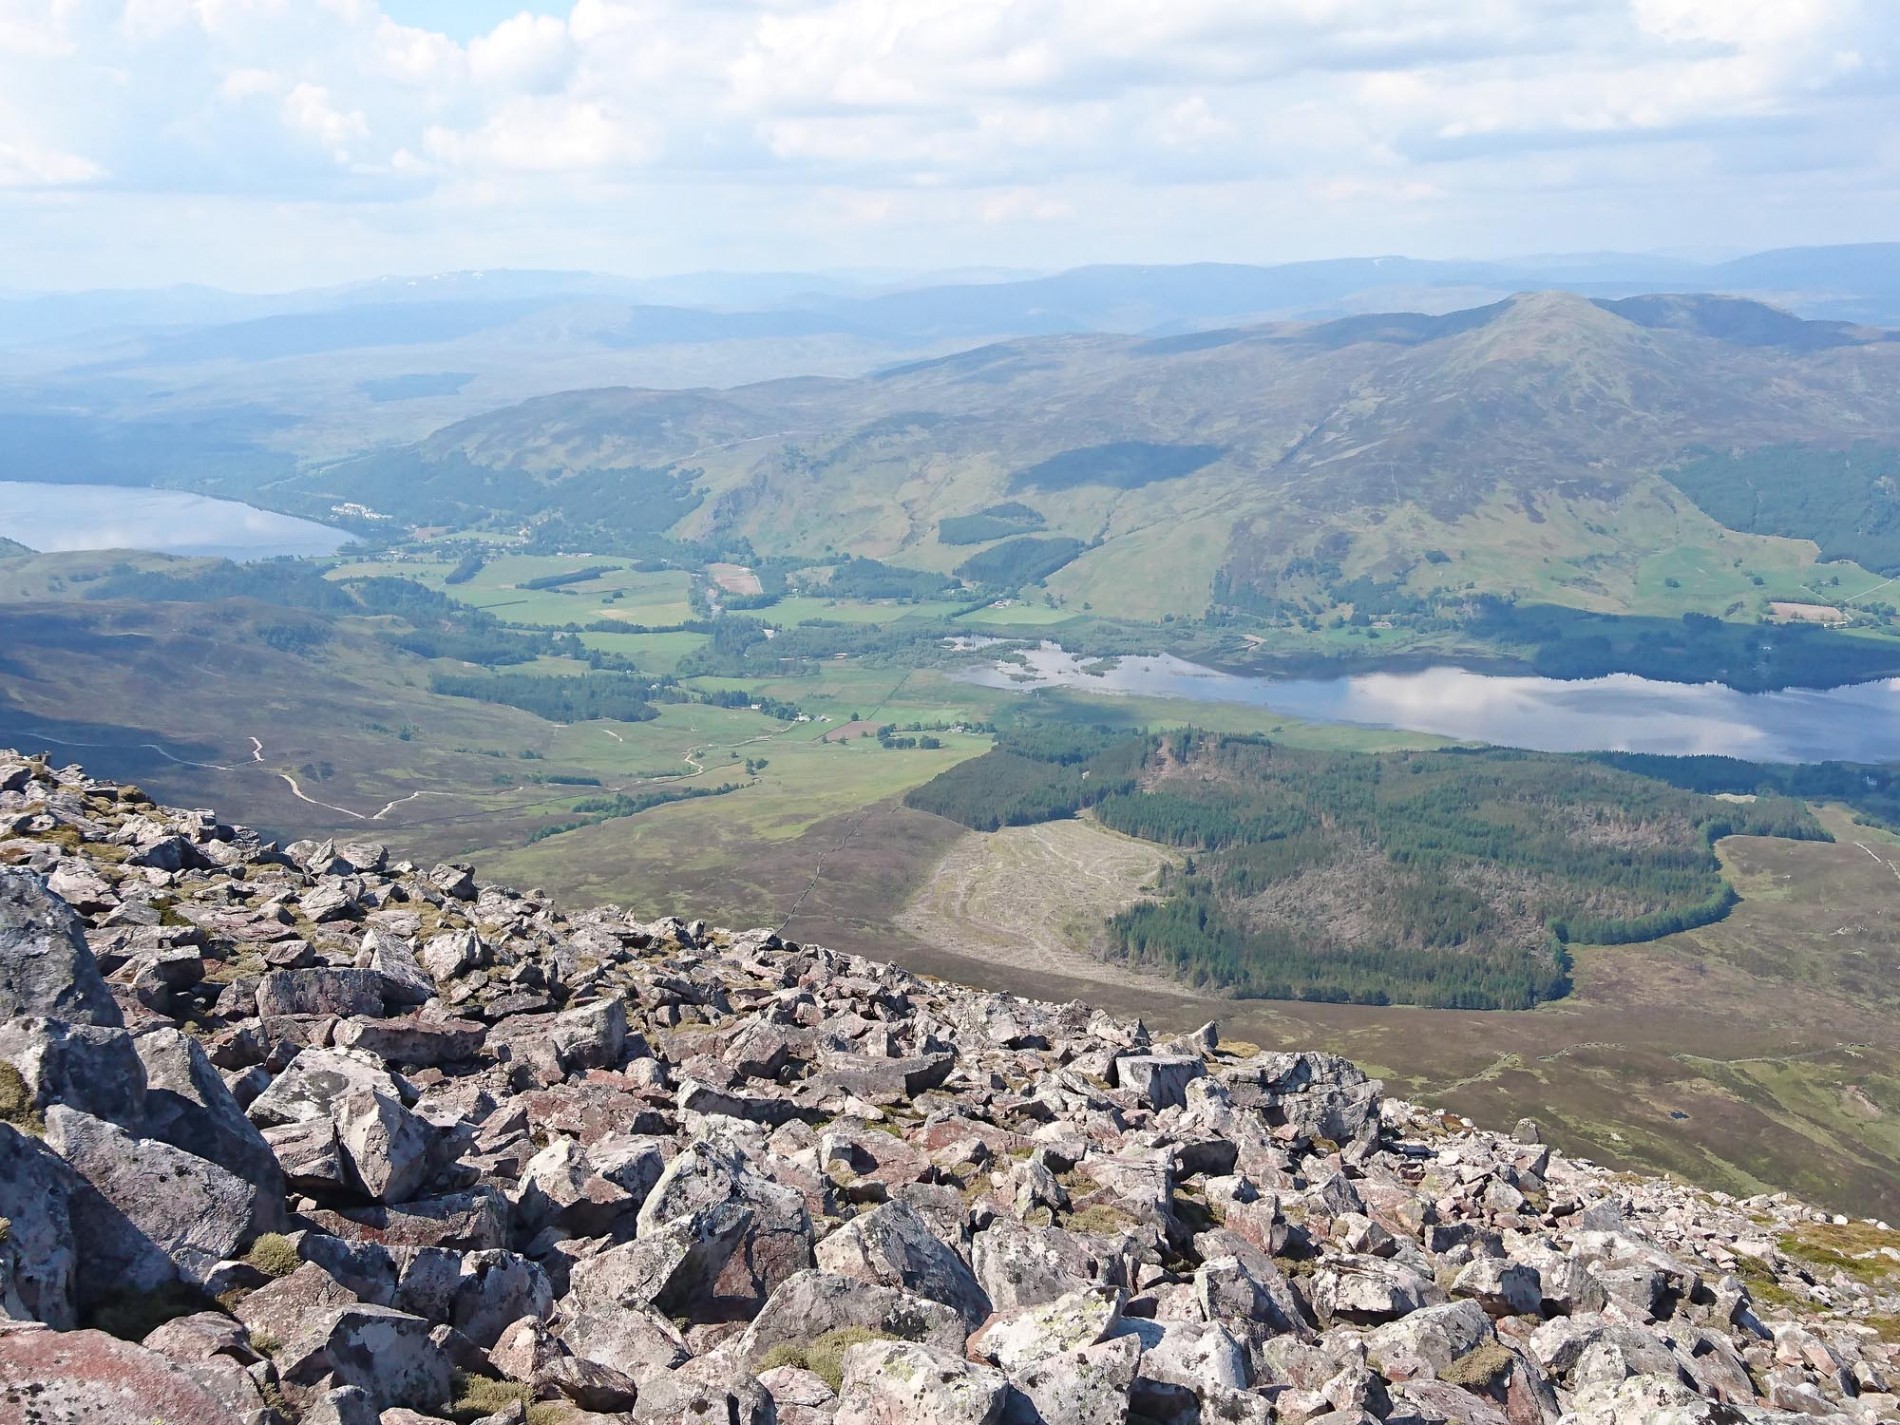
(314, 1134)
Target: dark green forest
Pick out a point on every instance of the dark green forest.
(1449, 878)
(1016, 562)
(859, 578)
(1040, 772)
(1124, 465)
(586, 697)
(1696, 648)
(991, 522)
(1845, 500)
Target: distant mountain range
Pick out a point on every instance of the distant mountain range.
(224, 390)
(1521, 448)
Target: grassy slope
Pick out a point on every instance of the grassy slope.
(1523, 442)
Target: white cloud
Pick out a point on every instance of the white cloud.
(530, 54)
(707, 122)
(309, 110)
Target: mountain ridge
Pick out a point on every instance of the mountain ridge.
(1324, 431)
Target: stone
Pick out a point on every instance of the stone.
(1069, 1324)
(701, 1187)
(1436, 1336)
(472, 1221)
(188, 1106)
(1366, 1290)
(589, 1384)
(1502, 1288)
(46, 968)
(638, 1344)
(413, 1042)
(1158, 1080)
(312, 1083)
(706, 1391)
(389, 1355)
(1019, 1265)
(58, 1376)
(309, 1157)
(320, 991)
(590, 1036)
(892, 1245)
(391, 1152)
(83, 1066)
(279, 1309)
(148, 1212)
(812, 1304)
(900, 1383)
(39, 1257)
(1085, 1387)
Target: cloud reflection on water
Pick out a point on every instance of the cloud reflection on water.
(58, 518)
(1621, 713)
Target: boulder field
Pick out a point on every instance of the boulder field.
(311, 1134)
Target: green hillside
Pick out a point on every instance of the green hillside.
(1384, 465)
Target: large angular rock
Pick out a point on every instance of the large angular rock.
(85, 1066)
(405, 982)
(188, 1106)
(389, 1355)
(665, 1271)
(391, 1151)
(1071, 1323)
(45, 967)
(892, 1245)
(470, 1221)
(591, 1036)
(1366, 1290)
(1159, 1080)
(706, 1391)
(313, 1082)
(281, 1309)
(321, 991)
(638, 1344)
(898, 1383)
(814, 1303)
(148, 1213)
(59, 1376)
(1502, 1288)
(1437, 1336)
(309, 1157)
(39, 1258)
(1020, 1265)
(413, 1042)
(701, 1188)
(1086, 1387)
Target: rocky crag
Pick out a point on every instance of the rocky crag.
(309, 1134)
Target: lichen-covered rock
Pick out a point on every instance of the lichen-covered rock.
(387, 1354)
(57, 1376)
(146, 1213)
(898, 1383)
(39, 1258)
(46, 968)
(892, 1245)
(634, 1163)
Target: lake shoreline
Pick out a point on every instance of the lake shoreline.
(63, 518)
(1618, 712)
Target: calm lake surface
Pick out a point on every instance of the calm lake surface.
(53, 518)
(1622, 713)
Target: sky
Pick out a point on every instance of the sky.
(271, 144)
